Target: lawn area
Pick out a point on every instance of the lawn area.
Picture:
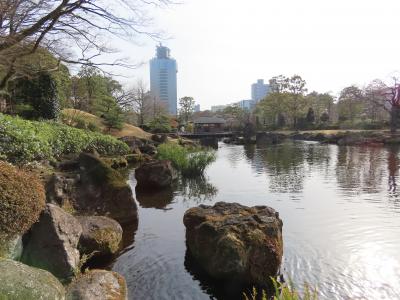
(127, 129)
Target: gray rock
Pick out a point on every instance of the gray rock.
(155, 175)
(100, 236)
(235, 243)
(11, 248)
(60, 189)
(103, 191)
(98, 285)
(52, 243)
(19, 281)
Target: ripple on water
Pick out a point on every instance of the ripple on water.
(339, 205)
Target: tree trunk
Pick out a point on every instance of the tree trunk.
(394, 118)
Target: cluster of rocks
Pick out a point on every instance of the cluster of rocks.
(349, 138)
(87, 201)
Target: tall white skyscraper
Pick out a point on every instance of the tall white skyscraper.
(163, 71)
(259, 90)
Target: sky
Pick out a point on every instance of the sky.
(223, 46)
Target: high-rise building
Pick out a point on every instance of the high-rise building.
(197, 108)
(246, 104)
(163, 71)
(259, 90)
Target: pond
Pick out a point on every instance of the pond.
(340, 208)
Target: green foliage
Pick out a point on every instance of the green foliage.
(113, 118)
(186, 109)
(40, 92)
(22, 141)
(191, 162)
(310, 116)
(22, 198)
(284, 292)
(95, 93)
(160, 124)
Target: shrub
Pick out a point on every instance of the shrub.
(160, 124)
(24, 141)
(191, 162)
(22, 198)
(40, 92)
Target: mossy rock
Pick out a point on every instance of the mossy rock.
(19, 281)
(134, 158)
(99, 285)
(22, 198)
(104, 191)
(116, 162)
(11, 248)
(101, 236)
(100, 172)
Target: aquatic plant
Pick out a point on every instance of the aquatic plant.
(189, 161)
(283, 291)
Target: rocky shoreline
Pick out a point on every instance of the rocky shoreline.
(73, 213)
(70, 214)
(341, 138)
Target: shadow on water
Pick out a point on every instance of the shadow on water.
(218, 289)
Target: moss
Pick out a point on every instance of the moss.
(107, 239)
(100, 172)
(22, 198)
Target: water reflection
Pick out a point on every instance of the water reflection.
(340, 235)
(155, 199)
(393, 167)
(196, 190)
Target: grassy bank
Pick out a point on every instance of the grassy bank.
(24, 141)
(190, 162)
(75, 117)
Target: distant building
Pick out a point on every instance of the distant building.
(259, 90)
(208, 124)
(197, 108)
(218, 108)
(163, 83)
(247, 104)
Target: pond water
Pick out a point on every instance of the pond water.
(340, 208)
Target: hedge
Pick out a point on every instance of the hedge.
(24, 141)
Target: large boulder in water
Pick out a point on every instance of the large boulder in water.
(157, 174)
(52, 243)
(101, 236)
(19, 281)
(235, 243)
(104, 191)
(99, 285)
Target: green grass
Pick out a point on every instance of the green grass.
(189, 161)
(24, 141)
(284, 292)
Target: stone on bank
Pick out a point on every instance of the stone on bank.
(98, 285)
(235, 243)
(19, 281)
(52, 243)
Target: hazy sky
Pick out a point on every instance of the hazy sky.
(223, 46)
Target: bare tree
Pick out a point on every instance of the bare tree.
(386, 97)
(141, 102)
(60, 25)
